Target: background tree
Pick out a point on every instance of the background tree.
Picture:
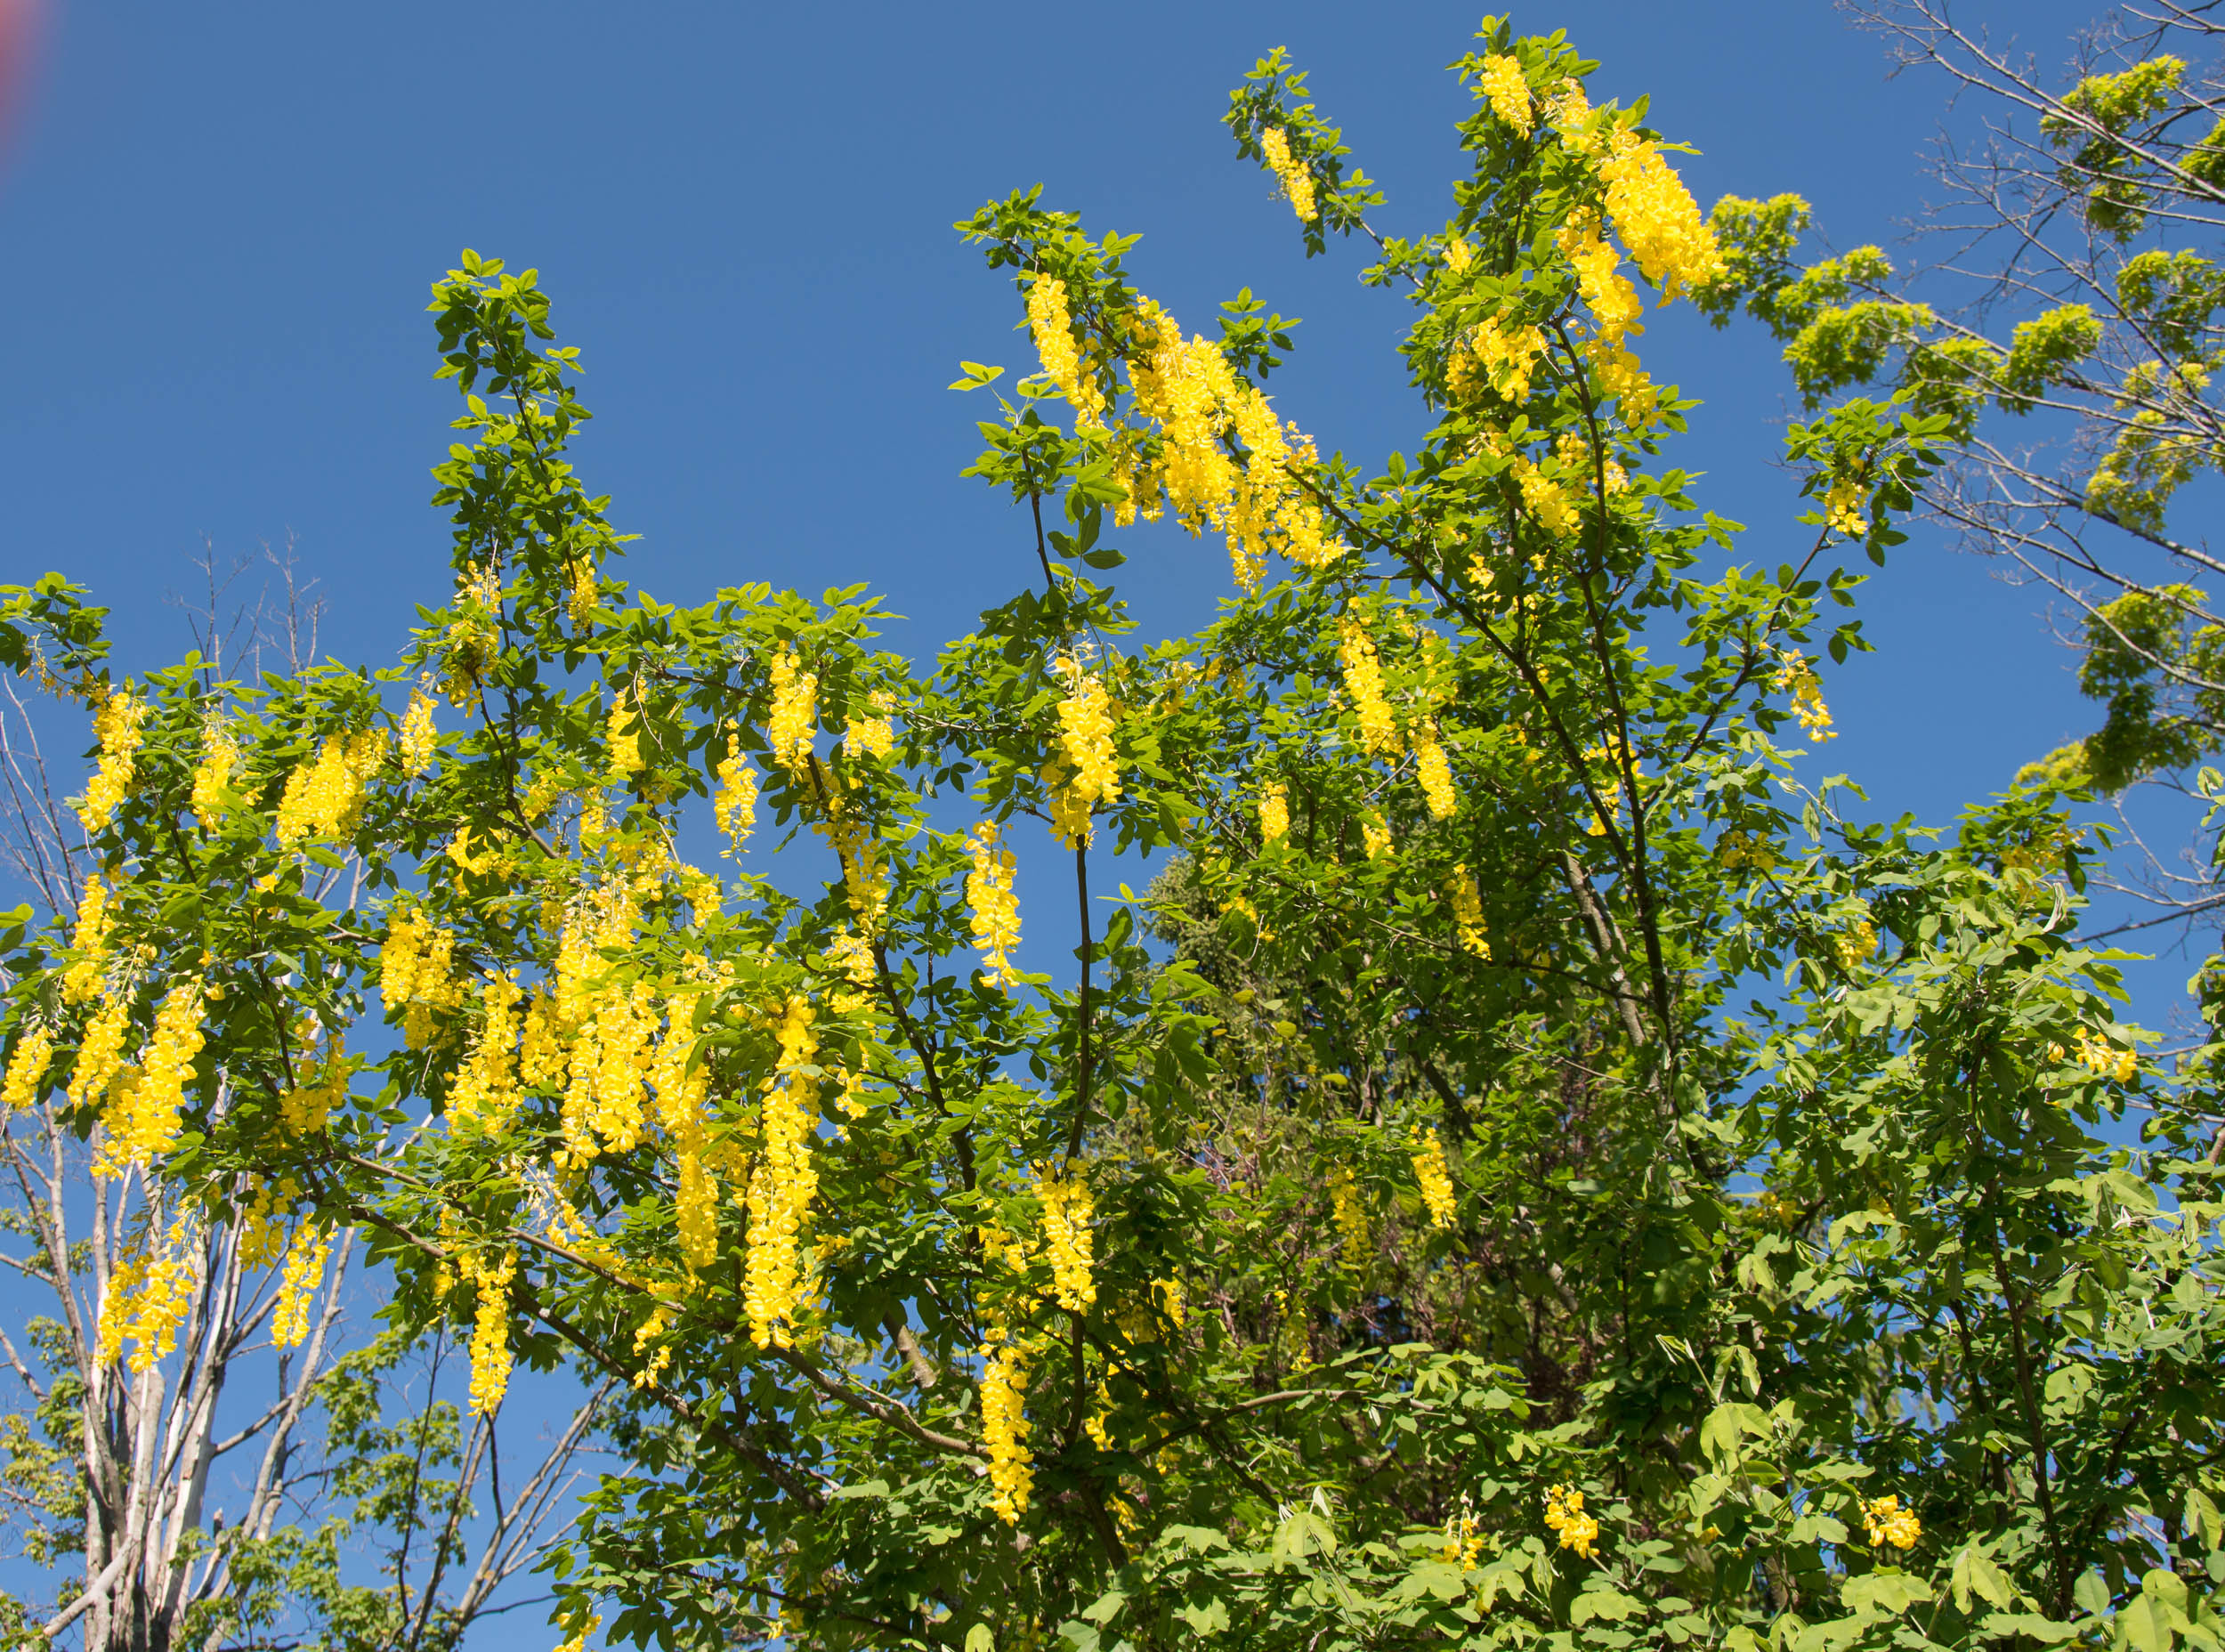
(206, 1457)
(1555, 1180)
(2063, 315)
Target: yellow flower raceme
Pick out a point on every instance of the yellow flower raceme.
(1796, 678)
(1468, 913)
(1435, 1177)
(1356, 1235)
(794, 714)
(118, 727)
(297, 1287)
(994, 909)
(419, 738)
(621, 736)
(81, 981)
(1613, 301)
(1885, 1521)
(1083, 772)
(101, 1052)
(324, 797)
(680, 1101)
(1188, 389)
(1858, 943)
(140, 1122)
(1564, 1515)
(1004, 1430)
(485, 1094)
(735, 802)
(148, 1298)
(782, 1182)
(1053, 327)
(1364, 687)
(1842, 507)
(1375, 835)
(490, 1278)
(1297, 178)
(1433, 770)
(1656, 216)
(1274, 811)
(212, 777)
(1489, 357)
(1067, 1210)
(27, 1070)
(2099, 1056)
(874, 733)
(415, 978)
(1501, 81)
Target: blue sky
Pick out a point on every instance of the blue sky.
(222, 221)
(225, 220)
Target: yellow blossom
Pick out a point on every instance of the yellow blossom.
(735, 802)
(1797, 679)
(297, 1287)
(1004, 1429)
(1364, 687)
(485, 1093)
(782, 1182)
(2099, 1056)
(82, 981)
(212, 777)
(490, 1278)
(1501, 81)
(1067, 1210)
(1053, 327)
(418, 737)
(1468, 913)
(118, 726)
(1564, 1514)
(1274, 811)
(148, 1298)
(993, 909)
(794, 713)
(1354, 1233)
(140, 1123)
(101, 1052)
(1842, 507)
(1489, 357)
(1433, 770)
(874, 733)
(621, 736)
(1855, 945)
(27, 1070)
(324, 797)
(415, 979)
(1296, 179)
(1885, 1521)
(1083, 772)
(1435, 1177)
(1375, 835)
(1656, 216)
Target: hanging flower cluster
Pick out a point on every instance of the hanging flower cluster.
(994, 908)
(324, 797)
(1435, 1177)
(118, 727)
(1054, 330)
(794, 714)
(212, 777)
(148, 1298)
(1004, 1431)
(140, 1122)
(1565, 1515)
(782, 1182)
(1296, 179)
(1067, 1210)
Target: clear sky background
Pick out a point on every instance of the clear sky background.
(221, 222)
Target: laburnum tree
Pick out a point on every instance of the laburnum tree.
(1527, 1171)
